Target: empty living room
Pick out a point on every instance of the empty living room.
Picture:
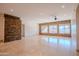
(39, 29)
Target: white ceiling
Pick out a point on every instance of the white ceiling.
(27, 10)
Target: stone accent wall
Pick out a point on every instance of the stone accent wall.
(12, 28)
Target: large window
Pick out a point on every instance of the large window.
(60, 28)
(44, 29)
(53, 29)
(64, 28)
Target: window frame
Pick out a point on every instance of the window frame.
(56, 23)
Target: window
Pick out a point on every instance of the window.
(59, 28)
(53, 29)
(64, 29)
(67, 29)
(44, 29)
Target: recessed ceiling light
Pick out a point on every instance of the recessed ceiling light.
(62, 6)
(11, 10)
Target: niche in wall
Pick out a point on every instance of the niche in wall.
(59, 28)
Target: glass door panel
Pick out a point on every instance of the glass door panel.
(67, 29)
(44, 29)
(61, 29)
(64, 29)
(53, 29)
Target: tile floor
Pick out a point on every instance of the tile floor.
(39, 46)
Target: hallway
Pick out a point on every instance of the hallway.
(40, 46)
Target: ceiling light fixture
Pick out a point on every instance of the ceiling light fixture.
(55, 18)
(62, 6)
(11, 10)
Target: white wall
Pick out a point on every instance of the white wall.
(32, 24)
